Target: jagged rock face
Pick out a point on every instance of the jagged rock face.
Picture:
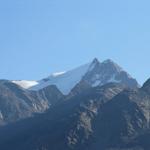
(111, 117)
(106, 72)
(68, 125)
(17, 103)
(51, 94)
(120, 121)
(146, 86)
(79, 88)
(115, 125)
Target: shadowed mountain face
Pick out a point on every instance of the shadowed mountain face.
(17, 103)
(110, 117)
(57, 128)
(146, 86)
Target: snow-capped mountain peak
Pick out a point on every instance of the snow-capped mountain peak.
(94, 73)
(108, 71)
(95, 63)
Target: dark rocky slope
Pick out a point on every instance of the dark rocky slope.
(110, 117)
(17, 103)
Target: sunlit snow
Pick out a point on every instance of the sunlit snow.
(25, 84)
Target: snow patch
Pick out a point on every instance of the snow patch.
(97, 83)
(25, 84)
(64, 81)
(112, 79)
(58, 73)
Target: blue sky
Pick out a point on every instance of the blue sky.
(38, 37)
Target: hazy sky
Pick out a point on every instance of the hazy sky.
(38, 37)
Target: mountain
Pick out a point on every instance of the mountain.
(97, 106)
(22, 99)
(94, 73)
(108, 117)
(52, 130)
(17, 103)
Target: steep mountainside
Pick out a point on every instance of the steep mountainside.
(17, 103)
(107, 72)
(109, 117)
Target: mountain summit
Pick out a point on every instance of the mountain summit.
(95, 73)
(106, 72)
